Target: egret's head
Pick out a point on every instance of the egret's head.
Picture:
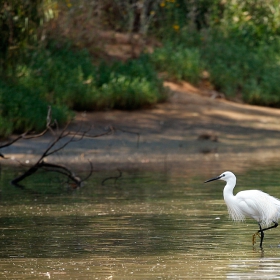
(225, 176)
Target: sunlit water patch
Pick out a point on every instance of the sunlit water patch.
(144, 226)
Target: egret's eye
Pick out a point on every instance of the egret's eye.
(224, 175)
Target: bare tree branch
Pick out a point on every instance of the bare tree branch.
(25, 134)
(62, 170)
(51, 149)
(90, 173)
(61, 140)
(113, 177)
(131, 132)
(109, 132)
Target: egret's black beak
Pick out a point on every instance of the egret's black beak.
(213, 179)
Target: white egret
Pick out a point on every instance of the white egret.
(262, 207)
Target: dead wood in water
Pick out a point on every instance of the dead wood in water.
(62, 138)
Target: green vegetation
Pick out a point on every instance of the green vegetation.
(178, 62)
(22, 108)
(68, 80)
(252, 72)
(237, 42)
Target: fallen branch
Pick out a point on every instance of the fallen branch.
(131, 132)
(26, 136)
(53, 148)
(55, 167)
(64, 138)
(112, 178)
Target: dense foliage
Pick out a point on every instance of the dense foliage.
(68, 80)
(235, 41)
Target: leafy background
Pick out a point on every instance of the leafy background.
(60, 53)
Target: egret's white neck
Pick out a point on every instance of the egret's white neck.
(228, 189)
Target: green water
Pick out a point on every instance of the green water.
(144, 226)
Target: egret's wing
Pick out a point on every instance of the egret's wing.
(258, 205)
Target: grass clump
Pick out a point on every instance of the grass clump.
(22, 109)
(130, 85)
(178, 62)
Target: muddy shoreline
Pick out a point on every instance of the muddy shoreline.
(190, 132)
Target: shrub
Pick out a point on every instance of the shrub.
(252, 22)
(22, 110)
(67, 80)
(236, 68)
(179, 62)
(130, 85)
(67, 77)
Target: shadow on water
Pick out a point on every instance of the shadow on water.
(146, 226)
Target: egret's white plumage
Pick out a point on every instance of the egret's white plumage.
(262, 207)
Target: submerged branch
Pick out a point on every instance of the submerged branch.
(112, 178)
(52, 149)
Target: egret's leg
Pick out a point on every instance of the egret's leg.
(274, 226)
(262, 235)
(260, 231)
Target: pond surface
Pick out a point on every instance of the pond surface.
(143, 226)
